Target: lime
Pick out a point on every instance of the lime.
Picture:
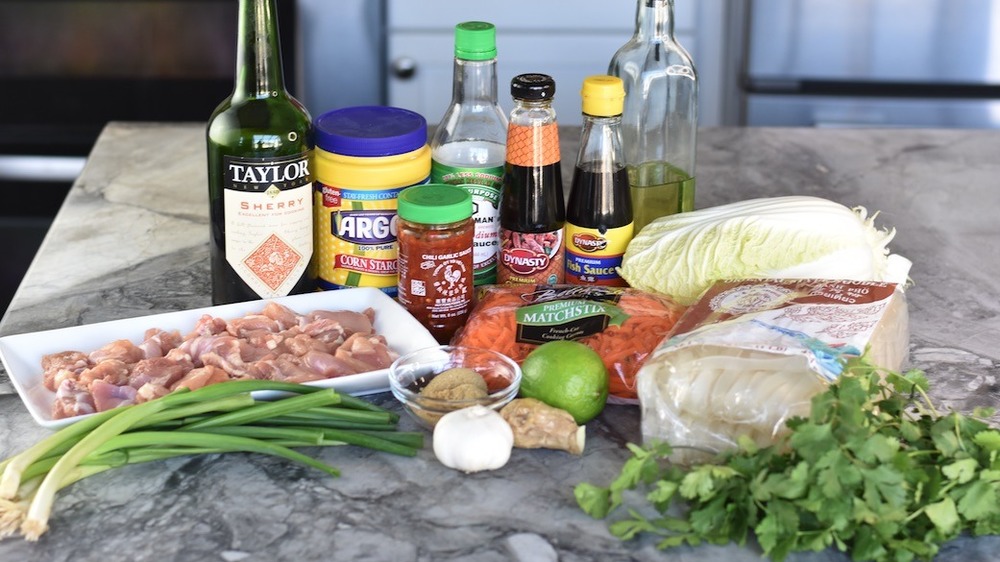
(568, 375)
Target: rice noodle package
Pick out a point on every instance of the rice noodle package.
(623, 325)
(750, 354)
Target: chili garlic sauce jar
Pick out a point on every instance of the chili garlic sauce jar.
(364, 157)
(436, 233)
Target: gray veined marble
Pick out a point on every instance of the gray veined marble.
(131, 239)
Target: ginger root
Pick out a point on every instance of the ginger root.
(536, 425)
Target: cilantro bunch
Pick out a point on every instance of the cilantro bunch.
(875, 471)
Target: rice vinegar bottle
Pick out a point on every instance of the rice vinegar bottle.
(469, 144)
(660, 117)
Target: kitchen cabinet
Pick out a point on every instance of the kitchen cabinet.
(566, 41)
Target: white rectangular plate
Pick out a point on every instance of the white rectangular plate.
(22, 353)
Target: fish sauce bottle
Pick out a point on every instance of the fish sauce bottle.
(260, 141)
(660, 117)
(468, 145)
(599, 210)
(532, 205)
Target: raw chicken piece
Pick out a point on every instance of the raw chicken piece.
(72, 362)
(156, 342)
(284, 316)
(72, 399)
(251, 323)
(326, 330)
(264, 339)
(285, 368)
(202, 376)
(111, 371)
(300, 344)
(122, 350)
(326, 365)
(150, 391)
(108, 396)
(207, 325)
(365, 350)
(350, 322)
(162, 371)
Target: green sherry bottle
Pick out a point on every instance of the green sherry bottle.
(259, 180)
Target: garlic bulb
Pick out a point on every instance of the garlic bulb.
(473, 439)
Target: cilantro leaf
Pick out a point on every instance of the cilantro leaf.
(944, 515)
(979, 501)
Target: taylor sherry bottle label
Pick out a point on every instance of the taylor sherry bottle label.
(268, 209)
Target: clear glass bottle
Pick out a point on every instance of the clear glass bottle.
(260, 141)
(660, 118)
(469, 144)
(532, 208)
(599, 210)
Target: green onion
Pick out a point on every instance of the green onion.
(219, 418)
(265, 410)
(343, 414)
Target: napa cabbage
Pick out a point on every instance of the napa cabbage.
(788, 237)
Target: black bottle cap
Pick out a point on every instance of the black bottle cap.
(532, 87)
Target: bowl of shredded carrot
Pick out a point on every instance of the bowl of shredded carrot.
(433, 381)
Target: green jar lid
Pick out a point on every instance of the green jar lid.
(475, 40)
(434, 203)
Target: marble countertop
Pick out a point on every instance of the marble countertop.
(131, 240)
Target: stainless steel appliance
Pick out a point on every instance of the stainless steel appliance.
(67, 67)
(880, 63)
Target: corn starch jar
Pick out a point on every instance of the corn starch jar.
(436, 274)
(364, 157)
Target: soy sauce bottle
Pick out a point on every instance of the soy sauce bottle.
(599, 212)
(532, 208)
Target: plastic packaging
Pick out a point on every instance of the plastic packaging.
(623, 325)
(365, 156)
(751, 354)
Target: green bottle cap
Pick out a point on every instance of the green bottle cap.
(434, 203)
(475, 40)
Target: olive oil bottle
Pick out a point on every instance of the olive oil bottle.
(259, 180)
(660, 118)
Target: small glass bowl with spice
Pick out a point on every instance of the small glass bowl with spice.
(435, 238)
(433, 381)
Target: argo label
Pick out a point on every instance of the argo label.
(356, 245)
(593, 258)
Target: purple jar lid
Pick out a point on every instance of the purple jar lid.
(370, 131)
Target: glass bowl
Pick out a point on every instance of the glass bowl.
(410, 373)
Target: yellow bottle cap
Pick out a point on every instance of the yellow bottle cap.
(603, 96)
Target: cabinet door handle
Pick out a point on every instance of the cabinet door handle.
(404, 67)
